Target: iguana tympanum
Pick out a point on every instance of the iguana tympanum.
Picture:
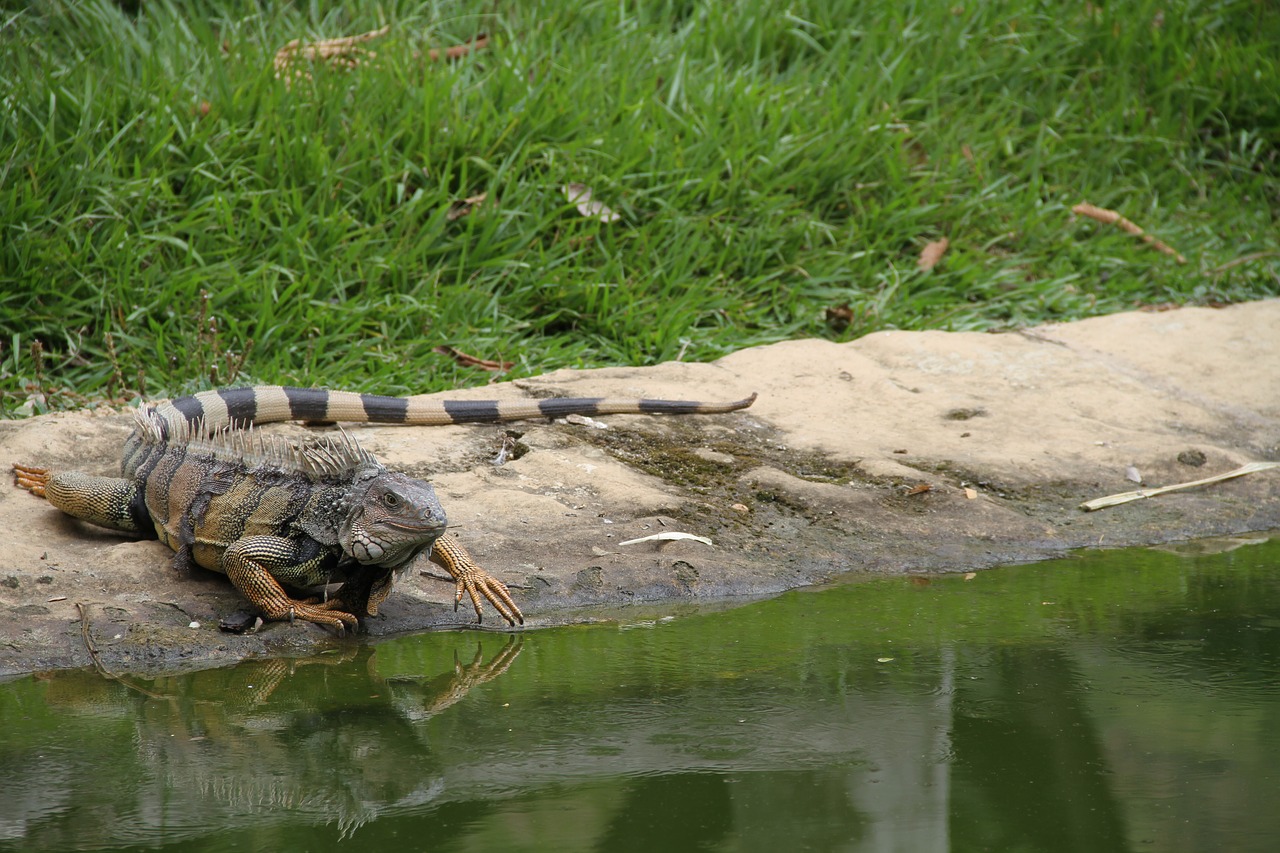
(270, 514)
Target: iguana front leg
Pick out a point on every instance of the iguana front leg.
(256, 564)
(473, 580)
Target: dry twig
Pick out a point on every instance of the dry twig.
(1110, 217)
(1246, 259)
(468, 360)
(458, 51)
(667, 536)
(87, 635)
(83, 610)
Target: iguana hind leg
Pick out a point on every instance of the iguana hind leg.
(111, 502)
(474, 580)
(254, 563)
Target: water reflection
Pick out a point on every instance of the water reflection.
(1030, 770)
(1125, 701)
(323, 740)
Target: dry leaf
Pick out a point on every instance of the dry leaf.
(1110, 217)
(583, 420)
(504, 451)
(839, 317)
(919, 490)
(459, 209)
(467, 360)
(346, 53)
(580, 195)
(932, 253)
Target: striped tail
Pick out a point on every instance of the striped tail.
(271, 403)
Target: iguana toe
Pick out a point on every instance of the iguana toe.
(34, 480)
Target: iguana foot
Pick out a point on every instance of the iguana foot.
(477, 580)
(332, 613)
(454, 687)
(474, 581)
(34, 480)
(341, 608)
(338, 620)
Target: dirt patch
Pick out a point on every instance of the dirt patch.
(899, 452)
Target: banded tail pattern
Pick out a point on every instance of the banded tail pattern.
(239, 407)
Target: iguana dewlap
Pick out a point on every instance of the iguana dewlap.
(273, 515)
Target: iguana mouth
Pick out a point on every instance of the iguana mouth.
(424, 526)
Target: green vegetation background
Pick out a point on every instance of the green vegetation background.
(174, 216)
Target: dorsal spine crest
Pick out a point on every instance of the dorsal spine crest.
(326, 457)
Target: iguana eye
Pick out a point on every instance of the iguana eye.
(391, 500)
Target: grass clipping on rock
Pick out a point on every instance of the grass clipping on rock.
(1140, 494)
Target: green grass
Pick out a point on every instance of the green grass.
(771, 161)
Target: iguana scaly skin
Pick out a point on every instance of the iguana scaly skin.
(271, 515)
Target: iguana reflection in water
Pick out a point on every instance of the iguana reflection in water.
(322, 740)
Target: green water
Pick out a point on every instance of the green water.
(1117, 701)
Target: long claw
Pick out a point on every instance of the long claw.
(476, 582)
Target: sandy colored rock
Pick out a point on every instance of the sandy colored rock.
(825, 475)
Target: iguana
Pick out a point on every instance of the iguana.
(270, 514)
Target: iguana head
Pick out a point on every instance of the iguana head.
(389, 519)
